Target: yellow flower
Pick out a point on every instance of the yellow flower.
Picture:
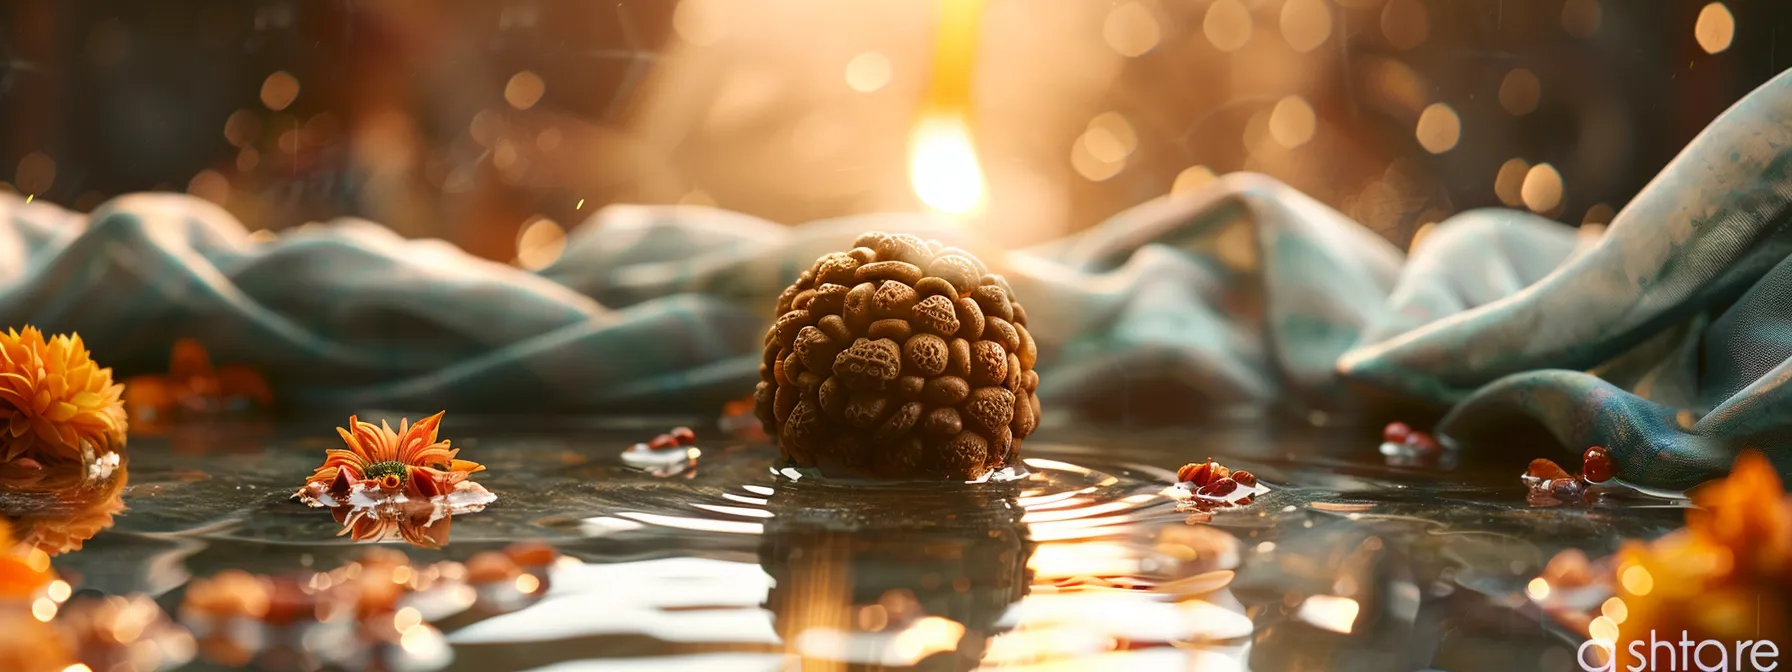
(56, 404)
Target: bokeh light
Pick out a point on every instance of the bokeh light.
(868, 71)
(36, 173)
(1508, 182)
(1292, 122)
(1542, 188)
(1227, 25)
(1520, 91)
(1439, 129)
(1130, 30)
(279, 90)
(539, 243)
(701, 22)
(524, 90)
(1581, 18)
(1714, 28)
(1191, 178)
(1405, 23)
(1306, 24)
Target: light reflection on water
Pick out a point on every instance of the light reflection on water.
(1083, 564)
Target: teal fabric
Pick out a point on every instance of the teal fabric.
(1668, 339)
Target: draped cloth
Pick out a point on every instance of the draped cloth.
(1668, 339)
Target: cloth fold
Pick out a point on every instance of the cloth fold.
(1668, 339)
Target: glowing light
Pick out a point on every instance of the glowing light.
(927, 636)
(210, 185)
(1715, 28)
(1439, 128)
(1581, 18)
(1520, 91)
(1615, 609)
(1405, 23)
(524, 90)
(1637, 580)
(527, 583)
(402, 574)
(242, 128)
(943, 165)
(1603, 629)
(1329, 612)
(868, 71)
(407, 618)
(37, 560)
(1537, 589)
(279, 90)
(1542, 188)
(1191, 178)
(1510, 178)
(1306, 24)
(36, 172)
(43, 609)
(539, 243)
(1227, 25)
(1130, 30)
(1600, 213)
(59, 590)
(78, 667)
(701, 22)
(1292, 122)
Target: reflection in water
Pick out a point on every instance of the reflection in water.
(57, 508)
(400, 484)
(893, 576)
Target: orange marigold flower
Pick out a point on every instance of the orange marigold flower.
(56, 404)
(409, 460)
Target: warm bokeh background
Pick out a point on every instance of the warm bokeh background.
(495, 123)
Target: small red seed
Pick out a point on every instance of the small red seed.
(1566, 489)
(684, 435)
(1245, 478)
(1596, 465)
(1545, 470)
(662, 441)
(1423, 442)
(1218, 488)
(1396, 432)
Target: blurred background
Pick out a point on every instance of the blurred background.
(500, 124)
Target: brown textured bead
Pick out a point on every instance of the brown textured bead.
(835, 327)
(801, 302)
(894, 300)
(989, 363)
(959, 362)
(897, 271)
(894, 329)
(935, 314)
(898, 423)
(865, 409)
(815, 349)
(828, 300)
(868, 364)
(925, 354)
(931, 286)
(989, 409)
(898, 358)
(833, 397)
(904, 247)
(956, 270)
(966, 455)
(1029, 351)
(857, 308)
(1024, 419)
(1002, 331)
(790, 323)
(970, 317)
(836, 268)
(994, 301)
(942, 422)
(946, 390)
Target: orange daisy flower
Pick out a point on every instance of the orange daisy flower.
(409, 461)
(56, 404)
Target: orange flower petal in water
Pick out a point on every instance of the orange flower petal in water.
(56, 404)
(404, 484)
